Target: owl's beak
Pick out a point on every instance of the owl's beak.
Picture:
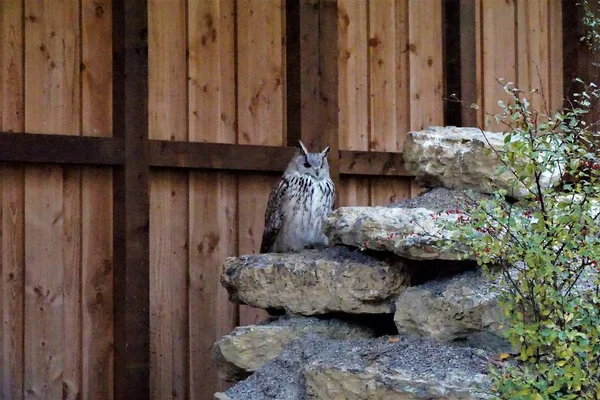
(317, 172)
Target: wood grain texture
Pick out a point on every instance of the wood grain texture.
(426, 74)
(12, 282)
(403, 77)
(382, 75)
(44, 341)
(498, 54)
(253, 194)
(354, 191)
(389, 190)
(12, 263)
(168, 285)
(212, 115)
(555, 55)
(168, 120)
(389, 76)
(353, 75)
(261, 102)
(533, 64)
(353, 92)
(72, 285)
(261, 93)
(53, 205)
(97, 288)
(97, 205)
(212, 238)
(52, 64)
(96, 67)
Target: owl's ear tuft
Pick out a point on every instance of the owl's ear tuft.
(325, 152)
(303, 147)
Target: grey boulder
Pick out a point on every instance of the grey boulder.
(248, 348)
(314, 282)
(450, 309)
(460, 158)
(418, 229)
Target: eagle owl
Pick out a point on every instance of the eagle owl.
(298, 204)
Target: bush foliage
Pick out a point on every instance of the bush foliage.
(546, 247)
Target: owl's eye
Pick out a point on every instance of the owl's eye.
(306, 165)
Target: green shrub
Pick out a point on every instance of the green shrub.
(546, 248)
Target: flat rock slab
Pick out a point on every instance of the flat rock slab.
(413, 229)
(313, 282)
(450, 309)
(248, 348)
(456, 158)
(405, 368)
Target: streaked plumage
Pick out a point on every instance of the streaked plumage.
(298, 203)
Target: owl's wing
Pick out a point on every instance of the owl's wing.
(273, 216)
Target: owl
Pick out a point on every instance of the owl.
(298, 204)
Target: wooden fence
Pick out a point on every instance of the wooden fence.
(140, 140)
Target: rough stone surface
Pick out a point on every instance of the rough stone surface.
(248, 348)
(407, 368)
(456, 158)
(313, 282)
(411, 229)
(450, 309)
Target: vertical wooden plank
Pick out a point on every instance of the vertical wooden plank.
(44, 273)
(260, 32)
(71, 243)
(533, 51)
(555, 55)
(213, 211)
(168, 203)
(354, 191)
(353, 78)
(387, 22)
(253, 194)
(168, 285)
(212, 116)
(387, 190)
(426, 74)
(498, 52)
(13, 266)
(96, 65)
(213, 196)
(353, 93)
(329, 85)
(468, 60)
(402, 72)
(97, 290)
(131, 277)
(53, 205)
(382, 62)
(12, 263)
(97, 206)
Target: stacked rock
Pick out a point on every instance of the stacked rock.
(384, 263)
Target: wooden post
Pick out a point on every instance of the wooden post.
(468, 62)
(312, 77)
(131, 201)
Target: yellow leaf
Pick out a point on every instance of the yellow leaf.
(393, 340)
(503, 356)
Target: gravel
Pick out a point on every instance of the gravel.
(442, 199)
(282, 378)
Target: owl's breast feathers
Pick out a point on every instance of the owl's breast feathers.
(295, 211)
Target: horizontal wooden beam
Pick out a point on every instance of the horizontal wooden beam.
(60, 149)
(377, 163)
(64, 149)
(240, 157)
